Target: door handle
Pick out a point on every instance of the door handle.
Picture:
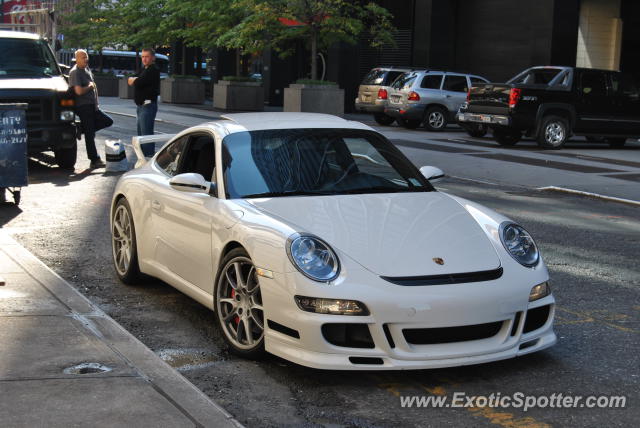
(156, 206)
(448, 96)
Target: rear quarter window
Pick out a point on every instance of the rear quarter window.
(374, 77)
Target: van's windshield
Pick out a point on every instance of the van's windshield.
(26, 58)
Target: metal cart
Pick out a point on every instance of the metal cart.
(13, 150)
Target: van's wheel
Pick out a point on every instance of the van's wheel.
(506, 138)
(435, 119)
(409, 123)
(476, 130)
(554, 132)
(238, 304)
(66, 158)
(616, 143)
(383, 119)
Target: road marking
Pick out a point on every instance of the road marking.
(592, 195)
(598, 316)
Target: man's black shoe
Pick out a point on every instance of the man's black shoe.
(97, 163)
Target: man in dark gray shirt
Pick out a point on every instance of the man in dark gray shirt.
(81, 79)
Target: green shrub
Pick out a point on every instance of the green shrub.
(238, 79)
(315, 82)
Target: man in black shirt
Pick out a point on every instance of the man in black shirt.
(146, 86)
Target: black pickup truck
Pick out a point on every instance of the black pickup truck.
(552, 103)
(30, 74)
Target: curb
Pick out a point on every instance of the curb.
(588, 194)
(183, 395)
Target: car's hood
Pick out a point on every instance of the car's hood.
(396, 235)
(55, 83)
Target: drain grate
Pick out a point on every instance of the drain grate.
(87, 368)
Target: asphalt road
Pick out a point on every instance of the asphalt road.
(590, 246)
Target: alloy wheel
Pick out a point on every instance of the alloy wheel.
(436, 119)
(239, 304)
(554, 133)
(122, 236)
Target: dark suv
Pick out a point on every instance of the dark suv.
(552, 103)
(29, 73)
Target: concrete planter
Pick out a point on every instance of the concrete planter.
(182, 90)
(314, 98)
(107, 85)
(248, 96)
(124, 90)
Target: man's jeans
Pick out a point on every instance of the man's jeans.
(87, 114)
(146, 119)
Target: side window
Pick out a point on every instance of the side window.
(593, 83)
(455, 84)
(625, 85)
(169, 158)
(199, 156)
(431, 81)
(475, 80)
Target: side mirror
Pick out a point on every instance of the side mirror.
(432, 173)
(191, 182)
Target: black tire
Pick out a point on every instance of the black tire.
(383, 119)
(231, 303)
(476, 130)
(409, 123)
(616, 143)
(123, 238)
(553, 133)
(435, 119)
(507, 138)
(66, 158)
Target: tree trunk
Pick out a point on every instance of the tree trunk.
(314, 55)
(184, 58)
(238, 65)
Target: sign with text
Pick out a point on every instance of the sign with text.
(13, 145)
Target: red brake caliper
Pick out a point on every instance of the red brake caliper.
(236, 319)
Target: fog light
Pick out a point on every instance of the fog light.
(331, 306)
(539, 291)
(67, 115)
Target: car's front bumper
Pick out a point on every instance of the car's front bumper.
(395, 309)
(487, 119)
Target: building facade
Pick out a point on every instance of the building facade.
(492, 38)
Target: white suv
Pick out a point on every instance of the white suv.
(429, 97)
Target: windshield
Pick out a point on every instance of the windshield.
(293, 162)
(26, 58)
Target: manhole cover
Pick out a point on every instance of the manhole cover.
(87, 368)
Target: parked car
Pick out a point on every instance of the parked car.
(314, 238)
(372, 92)
(429, 97)
(552, 103)
(30, 74)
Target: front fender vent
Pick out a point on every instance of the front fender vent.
(451, 278)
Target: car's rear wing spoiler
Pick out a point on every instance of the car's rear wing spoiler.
(138, 141)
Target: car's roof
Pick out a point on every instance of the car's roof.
(18, 35)
(239, 122)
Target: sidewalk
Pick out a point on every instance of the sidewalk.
(64, 362)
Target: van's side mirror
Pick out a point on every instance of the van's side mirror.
(432, 173)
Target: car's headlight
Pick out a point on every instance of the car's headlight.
(313, 257)
(519, 244)
(67, 115)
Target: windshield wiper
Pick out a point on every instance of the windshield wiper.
(288, 193)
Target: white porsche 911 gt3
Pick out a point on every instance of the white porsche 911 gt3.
(315, 239)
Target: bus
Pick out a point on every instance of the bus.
(119, 63)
